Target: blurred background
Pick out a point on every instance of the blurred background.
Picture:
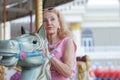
(94, 23)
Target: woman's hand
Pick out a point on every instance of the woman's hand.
(47, 54)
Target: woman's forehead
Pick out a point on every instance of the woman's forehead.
(49, 15)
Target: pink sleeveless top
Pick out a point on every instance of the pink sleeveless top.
(58, 50)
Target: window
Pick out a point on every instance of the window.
(87, 40)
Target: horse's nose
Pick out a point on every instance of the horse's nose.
(12, 43)
(4, 44)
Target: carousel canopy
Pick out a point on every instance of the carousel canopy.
(20, 8)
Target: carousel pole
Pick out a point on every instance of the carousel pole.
(38, 14)
(4, 18)
(2, 68)
(31, 14)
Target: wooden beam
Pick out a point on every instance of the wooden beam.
(20, 10)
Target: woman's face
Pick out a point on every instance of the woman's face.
(51, 22)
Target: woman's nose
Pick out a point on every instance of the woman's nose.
(49, 22)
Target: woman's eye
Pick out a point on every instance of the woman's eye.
(44, 20)
(52, 19)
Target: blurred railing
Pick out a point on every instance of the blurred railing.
(101, 49)
(101, 52)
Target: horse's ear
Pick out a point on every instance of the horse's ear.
(42, 32)
(24, 31)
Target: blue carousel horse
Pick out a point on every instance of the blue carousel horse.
(27, 51)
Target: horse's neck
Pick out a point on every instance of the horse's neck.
(36, 72)
(30, 74)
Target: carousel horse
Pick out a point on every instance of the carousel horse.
(27, 51)
(83, 65)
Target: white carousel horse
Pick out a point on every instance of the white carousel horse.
(27, 51)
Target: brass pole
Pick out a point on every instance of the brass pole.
(38, 14)
(2, 73)
(4, 27)
(4, 19)
(2, 70)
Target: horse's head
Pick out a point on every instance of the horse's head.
(25, 50)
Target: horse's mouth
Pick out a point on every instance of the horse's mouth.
(5, 56)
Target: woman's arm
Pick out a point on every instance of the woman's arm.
(66, 66)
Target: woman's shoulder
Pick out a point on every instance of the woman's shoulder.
(69, 41)
(65, 40)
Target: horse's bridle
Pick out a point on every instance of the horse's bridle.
(22, 55)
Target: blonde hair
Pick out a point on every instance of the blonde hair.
(62, 31)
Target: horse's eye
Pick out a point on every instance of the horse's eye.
(34, 42)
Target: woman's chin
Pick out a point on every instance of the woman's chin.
(50, 32)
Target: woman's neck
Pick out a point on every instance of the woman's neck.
(53, 39)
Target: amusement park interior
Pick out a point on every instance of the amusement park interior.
(94, 23)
